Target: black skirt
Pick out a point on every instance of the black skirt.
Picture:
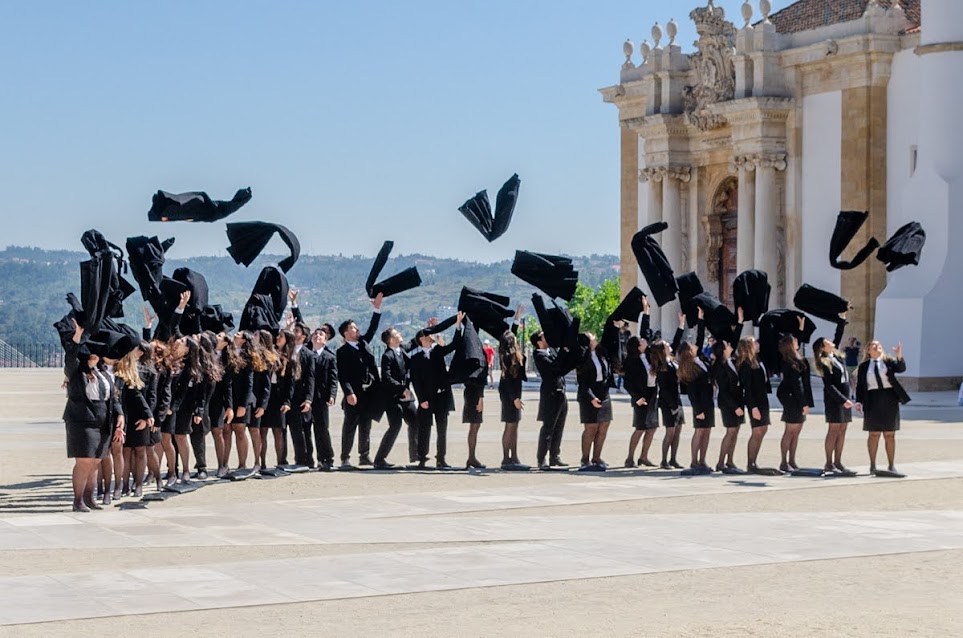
(272, 417)
(672, 417)
(761, 422)
(469, 412)
(793, 414)
(881, 411)
(167, 425)
(644, 417)
(90, 440)
(510, 414)
(136, 438)
(835, 412)
(709, 420)
(588, 413)
(732, 420)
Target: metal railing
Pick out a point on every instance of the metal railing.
(31, 355)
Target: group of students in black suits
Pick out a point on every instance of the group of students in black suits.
(656, 374)
(160, 401)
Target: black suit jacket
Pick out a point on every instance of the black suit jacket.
(587, 374)
(395, 375)
(357, 368)
(636, 379)
(755, 386)
(303, 389)
(242, 387)
(730, 396)
(700, 392)
(429, 375)
(325, 377)
(551, 366)
(836, 384)
(795, 390)
(891, 367)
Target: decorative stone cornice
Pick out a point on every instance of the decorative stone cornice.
(753, 161)
(652, 174)
(661, 173)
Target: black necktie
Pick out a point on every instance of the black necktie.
(879, 377)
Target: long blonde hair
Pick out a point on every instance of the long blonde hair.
(126, 370)
(746, 352)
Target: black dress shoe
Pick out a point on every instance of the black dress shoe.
(629, 463)
(383, 465)
(442, 465)
(364, 460)
(557, 462)
(422, 465)
(675, 464)
(201, 475)
(665, 465)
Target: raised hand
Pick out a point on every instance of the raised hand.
(185, 297)
(898, 350)
(148, 318)
(376, 302)
(293, 296)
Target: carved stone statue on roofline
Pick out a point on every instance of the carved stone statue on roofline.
(714, 67)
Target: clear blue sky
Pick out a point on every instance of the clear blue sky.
(353, 122)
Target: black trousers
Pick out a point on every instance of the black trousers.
(299, 423)
(554, 411)
(398, 412)
(199, 434)
(322, 432)
(357, 418)
(439, 413)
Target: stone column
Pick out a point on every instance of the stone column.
(672, 236)
(767, 218)
(654, 176)
(745, 226)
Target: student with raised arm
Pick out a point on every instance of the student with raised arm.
(878, 397)
(360, 384)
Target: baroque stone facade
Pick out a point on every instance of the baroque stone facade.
(713, 141)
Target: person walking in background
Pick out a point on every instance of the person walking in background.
(490, 356)
(852, 355)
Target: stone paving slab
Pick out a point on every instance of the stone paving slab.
(411, 517)
(588, 547)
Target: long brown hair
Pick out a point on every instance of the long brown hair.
(210, 359)
(160, 356)
(746, 352)
(271, 359)
(252, 352)
(290, 362)
(659, 355)
(822, 359)
(789, 353)
(511, 355)
(233, 361)
(688, 369)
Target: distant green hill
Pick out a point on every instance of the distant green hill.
(33, 283)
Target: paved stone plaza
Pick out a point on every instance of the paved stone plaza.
(551, 553)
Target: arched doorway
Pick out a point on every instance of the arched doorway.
(721, 228)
